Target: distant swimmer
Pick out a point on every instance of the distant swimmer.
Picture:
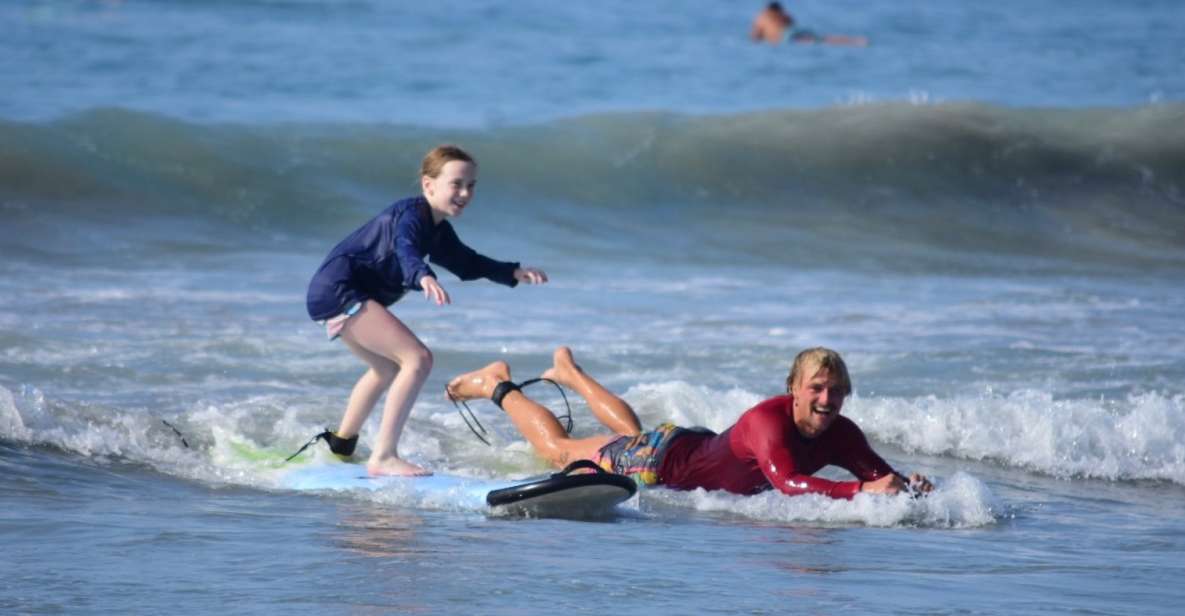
(773, 25)
(780, 443)
(375, 266)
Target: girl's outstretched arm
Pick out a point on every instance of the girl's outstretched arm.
(467, 263)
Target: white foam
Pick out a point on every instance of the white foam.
(685, 404)
(99, 433)
(959, 502)
(1138, 437)
(219, 435)
(12, 425)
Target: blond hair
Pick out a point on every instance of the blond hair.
(435, 160)
(810, 362)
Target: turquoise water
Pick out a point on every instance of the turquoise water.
(982, 210)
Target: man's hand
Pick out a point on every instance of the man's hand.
(530, 275)
(919, 484)
(894, 484)
(433, 291)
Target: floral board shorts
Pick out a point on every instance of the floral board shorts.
(638, 457)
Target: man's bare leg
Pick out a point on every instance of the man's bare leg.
(533, 420)
(608, 408)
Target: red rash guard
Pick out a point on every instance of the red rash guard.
(763, 449)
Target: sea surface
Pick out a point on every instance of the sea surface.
(983, 210)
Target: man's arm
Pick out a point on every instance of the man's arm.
(850, 450)
(854, 453)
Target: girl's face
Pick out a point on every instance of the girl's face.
(450, 191)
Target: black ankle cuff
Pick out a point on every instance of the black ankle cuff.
(501, 390)
(341, 446)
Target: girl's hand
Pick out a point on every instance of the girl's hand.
(433, 291)
(530, 275)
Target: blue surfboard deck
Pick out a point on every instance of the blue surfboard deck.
(578, 496)
(466, 492)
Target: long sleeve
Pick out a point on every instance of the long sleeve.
(466, 263)
(854, 454)
(412, 235)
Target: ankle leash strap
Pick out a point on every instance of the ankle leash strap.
(338, 445)
(500, 391)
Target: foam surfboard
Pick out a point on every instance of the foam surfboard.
(579, 491)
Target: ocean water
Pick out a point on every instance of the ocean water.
(983, 211)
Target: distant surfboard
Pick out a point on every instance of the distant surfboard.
(582, 490)
(802, 36)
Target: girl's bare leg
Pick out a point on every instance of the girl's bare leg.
(377, 378)
(399, 363)
(608, 408)
(533, 420)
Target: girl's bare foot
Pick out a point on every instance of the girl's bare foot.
(479, 383)
(564, 368)
(395, 466)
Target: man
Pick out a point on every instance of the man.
(780, 443)
(773, 25)
(770, 24)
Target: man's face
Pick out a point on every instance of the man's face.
(817, 402)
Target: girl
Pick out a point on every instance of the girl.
(370, 270)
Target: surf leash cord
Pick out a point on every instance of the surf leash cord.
(500, 392)
(338, 445)
(177, 432)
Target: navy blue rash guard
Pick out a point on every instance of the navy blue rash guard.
(385, 257)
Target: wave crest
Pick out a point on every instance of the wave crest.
(1141, 437)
